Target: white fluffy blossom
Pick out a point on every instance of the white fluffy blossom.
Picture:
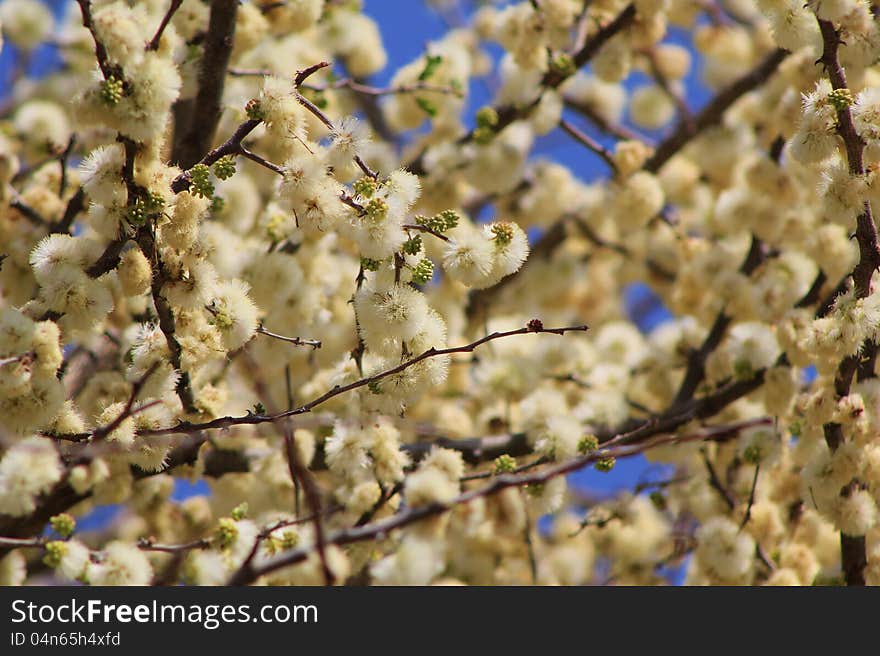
(27, 469)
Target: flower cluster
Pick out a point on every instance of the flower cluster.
(338, 303)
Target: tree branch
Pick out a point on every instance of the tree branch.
(157, 38)
(254, 419)
(590, 143)
(852, 548)
(212, 76)
(711, 114)
(412, 515)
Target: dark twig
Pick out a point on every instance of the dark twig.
(252, 419)
(602, 124)
(62, 162)
(231, 146)
(748, 514)
(157, 38)
(28, 212)
(712, 113)
(108, 259)
(412, 515)
(107, 68)
(75, 205)
(696, 367)
(259, 159)
(590, 143)
(212, 75)
(852, 548)
(716, 483)
(425, 229)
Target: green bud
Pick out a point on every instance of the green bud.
(369, 265)
(200, 177)
(752, 454)
(55, 551)
(289, 539)
(276, 226)
(365, 186)
(503, 233)
(254, 110)
(412, 245)
(136, 214)
(376, 208)
(605, 464)
(112, 89)
(445, 220)
(487, 117)
(742, 369)
(63, 524)
(427, 106)
(224, 167)
(658, 500)
(840, 99)
(587, 444)
(240, 511)
(145, 207)
(227, 532)
(504, 464)
(449, 218)
(374, 387)
(423, 272)
(563, 64)
(432, 62)
(483, 135)
(535, 489)
(155, 202)
(272, 545)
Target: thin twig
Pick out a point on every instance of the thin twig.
(748, 514)
(296, 341)
(62, 162)
(684, 112)
(590, 143)
(602, 124)
(147, 544)
(425, 229)
(716, 483)
(28, 212)
(107, 69)
(75, 205)
(22, 543)
(262, 161)
(711, 114)
(412, 515)
(230, 147)
(157, 38)
(251, 419)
